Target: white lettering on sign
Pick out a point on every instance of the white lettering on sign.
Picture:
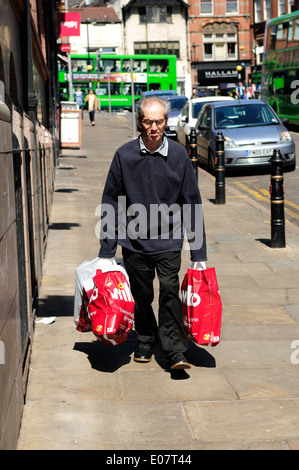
(70, 24)
(221, 73)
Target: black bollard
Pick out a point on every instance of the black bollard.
(193, 151)
(220, 170)
(277, 201)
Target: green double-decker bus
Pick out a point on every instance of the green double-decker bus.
(114, 77)
(280, 72)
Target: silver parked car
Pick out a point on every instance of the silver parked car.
(189, 114)
(251, 130)
(176, 105)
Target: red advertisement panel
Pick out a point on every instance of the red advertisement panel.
(68, 24)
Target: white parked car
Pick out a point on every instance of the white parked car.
(189, 114)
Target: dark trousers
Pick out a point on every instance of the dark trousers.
(141, 270)
(91, 116)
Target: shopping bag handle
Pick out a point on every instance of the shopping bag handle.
(198, 265)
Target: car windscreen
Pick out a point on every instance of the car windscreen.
(196, 108)
(177, 104)
(250, 115)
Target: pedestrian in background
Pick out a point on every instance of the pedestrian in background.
(92, 105)
(153, 171)
(80, 99)
(240, 90)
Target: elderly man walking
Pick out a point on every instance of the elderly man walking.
(154, 194)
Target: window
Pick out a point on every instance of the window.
(115, 88)
(138, 65)
(267, 5)
(206, 117)
(231, 50)
(281, 36)
(157, 47)
(206, 6)
(80, 65)
(282, 7)
(220, 46)
(231, 6)
(290, 31)
(109, 65)
(158, 66)
(139, 88)
(258, 11)
(155, 14)
(208, 51)
(271, 39)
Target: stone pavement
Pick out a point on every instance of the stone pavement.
(241, 394)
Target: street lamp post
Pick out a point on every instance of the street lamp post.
(89, 66)
(133, 99)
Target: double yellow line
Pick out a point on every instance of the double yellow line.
(264, 196)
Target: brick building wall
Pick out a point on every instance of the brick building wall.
(220, 40)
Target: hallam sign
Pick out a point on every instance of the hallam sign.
(68, 24)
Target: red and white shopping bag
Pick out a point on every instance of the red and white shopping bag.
(107, 306)
(202, 306)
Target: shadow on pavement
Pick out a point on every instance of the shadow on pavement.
(106, 358)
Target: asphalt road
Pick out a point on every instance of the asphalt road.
(257, 184)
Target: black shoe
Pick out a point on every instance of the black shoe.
(143, 353)
(178, 361)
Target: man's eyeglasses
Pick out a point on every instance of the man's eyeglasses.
(149, 123)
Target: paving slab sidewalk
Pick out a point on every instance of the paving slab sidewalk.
(242, 394)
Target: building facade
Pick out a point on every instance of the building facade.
(220, 43)
(28, 154)
(151, 27)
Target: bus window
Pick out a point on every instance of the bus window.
(290, 31)
(281, 35)
(139, 88)
(271, 46)
(114, 89)
(154, 86)
(80, 65)
(296, 31)
(158, 66)
(109, 65)
(138, 65)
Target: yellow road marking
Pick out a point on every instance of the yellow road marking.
(252, 191)
(267, 199)
(291, 213)
(292, 204)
